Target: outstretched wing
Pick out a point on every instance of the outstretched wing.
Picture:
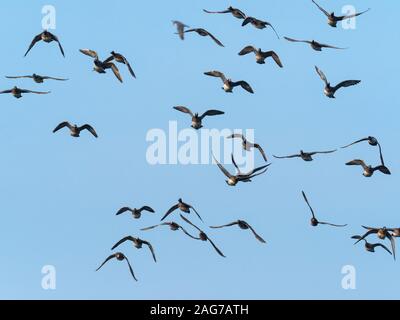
(321, 75)
(358, 141)
(62, 125)
(311, 209)
(274, 56)
(352, 15)
(105, 261)
(130, 268)
(172, 209)
(128, 238)
(247, 50)
(146, 208)
(287, 157)
(215, 39)
(333, 225)
(211, 113)
(191, 207)
(115, 70)
(382, 246)
(88, 128)
(256, 145)
(122, 210)
(221, 167)
(244, 85)
(322, 9)
(347, 83)
(295, 40)
(321, 152)
(225, 225)
(90, 53)
(55, 38)
(184, 110)
(215, 247)
(189, 222)
(258, 237)
(216, 74)
(151, 249)
(357, 162)
(34, 41)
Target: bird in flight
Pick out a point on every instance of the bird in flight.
(183, 207)
(120, 59)
(259, 24)
(204, 33)
(234, 11)
(37, 78)
(317, 46)
(242, 225)
(137, 243)
(261, 55)
(196, 119)
(120, 257)
(246, 145)
(75, 130)
(382, 234)
(17, 92)
(180, 27)
(330, 91)
(306, 156)
(47, 37)
(370, 247)
(136, 213)
(372, 141)
(173, 226)
(314, 221)
(229, 85)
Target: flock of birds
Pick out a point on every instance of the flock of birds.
(101, 66)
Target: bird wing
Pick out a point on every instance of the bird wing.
(215, 39)
(180, 27)
(274, 56)
(305, 198)
(272, 27)
(105, 261)
(247, 50)
(247, 21)
(215, 247)
(172, 209)
(88, 128)
(256, 145)
(382, 246)
(322, 9)
(188, 234)
(34, 41)
(244, 85)
(333, 225)
(52, 78)
(5, 91)
(358, 141)
(55, 38)
(90, 53)
(115, 70)
(18, 77)
(184, 110)
(352, 15)
(323, 45)
(128, 238)
(369, 232)
(381, 155)
(258, 237)
(221, 167)
(287, 157)
(252, 172)
(211, 113)
(345, 84)
(321, 152)
(295, 40)
(130, 268)
(123, 210)
(129, 68)
(392, 243)
(62, 125)
(151, 249)
(36, 92)
(191, 207)
(237, 135)
(146, 208)
(189, 222)
(152, 227)
(322, 75)
(225, 225)
(225, 11)
(216, 74)
(357, 162)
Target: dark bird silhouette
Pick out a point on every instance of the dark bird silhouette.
(229, 85)
(173, 226)
(197, 121)
(137, 243)
(242, 225)
(371, 246)
(333, 19)
(47, 37)
(382, 234)
(120, 59)
(233, 180)
(17, 92)
(314, 221)
(371, 140)
(120, 257)
(330, 91)
(204, 33)
(306, 156)
(317, 46)
(37, 78)
(136, 213)
(234, 11)
(75, 130)
(259, 24)
(203, 236)
(261, 55)
(183, 207)
(246, 145)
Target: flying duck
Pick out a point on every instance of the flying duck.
(228, 83)
(204, 33)
(370, 247)
(120, 257)
(248, 145)
(47, 37)
(136, 213)
(196, 119)
(330, 91)
(244, 226)
(138, 243)
(17, 92)
(101, 66)
(333, 20)
(37, 78)
(234, 11)
(314, 221)
(261, 55)
(180, 27)
(183, 207)
(74, 129)
(259, 24)
(173, 226)
(314, 44)
(371, 141)
(382, 234)
(369, 170)
(306, 156)
(120, 59)
(203, 236)
(233, 180)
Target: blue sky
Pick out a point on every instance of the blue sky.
(60, 195)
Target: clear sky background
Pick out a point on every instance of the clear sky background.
(59, 195)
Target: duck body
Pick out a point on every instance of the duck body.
(183, 206)
(305, 156)
(329, 92)
(196, 122)
(228, 86)
(47, 36)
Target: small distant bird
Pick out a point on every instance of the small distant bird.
(314, 221)
(369, 170)
(204, 33)
(173, 226)
(196, 119)
(228, 83)
(233, 180)
(382, 234)
(138, 243)
(234, 11)
(101, 66)
(180, 28)
(17, 92)
(183, 207)
(203, 236)
(371, 246)
(371, 140)
(259, 24)
(244, 226)
(333, 20)
(47, 37)
(330, 91)
(120, 257)
(120, 59)
(261, 55)
(74, 129)
(37, 78)
(314, 44)
(136, 213)
(248, 145)
(306, 156)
